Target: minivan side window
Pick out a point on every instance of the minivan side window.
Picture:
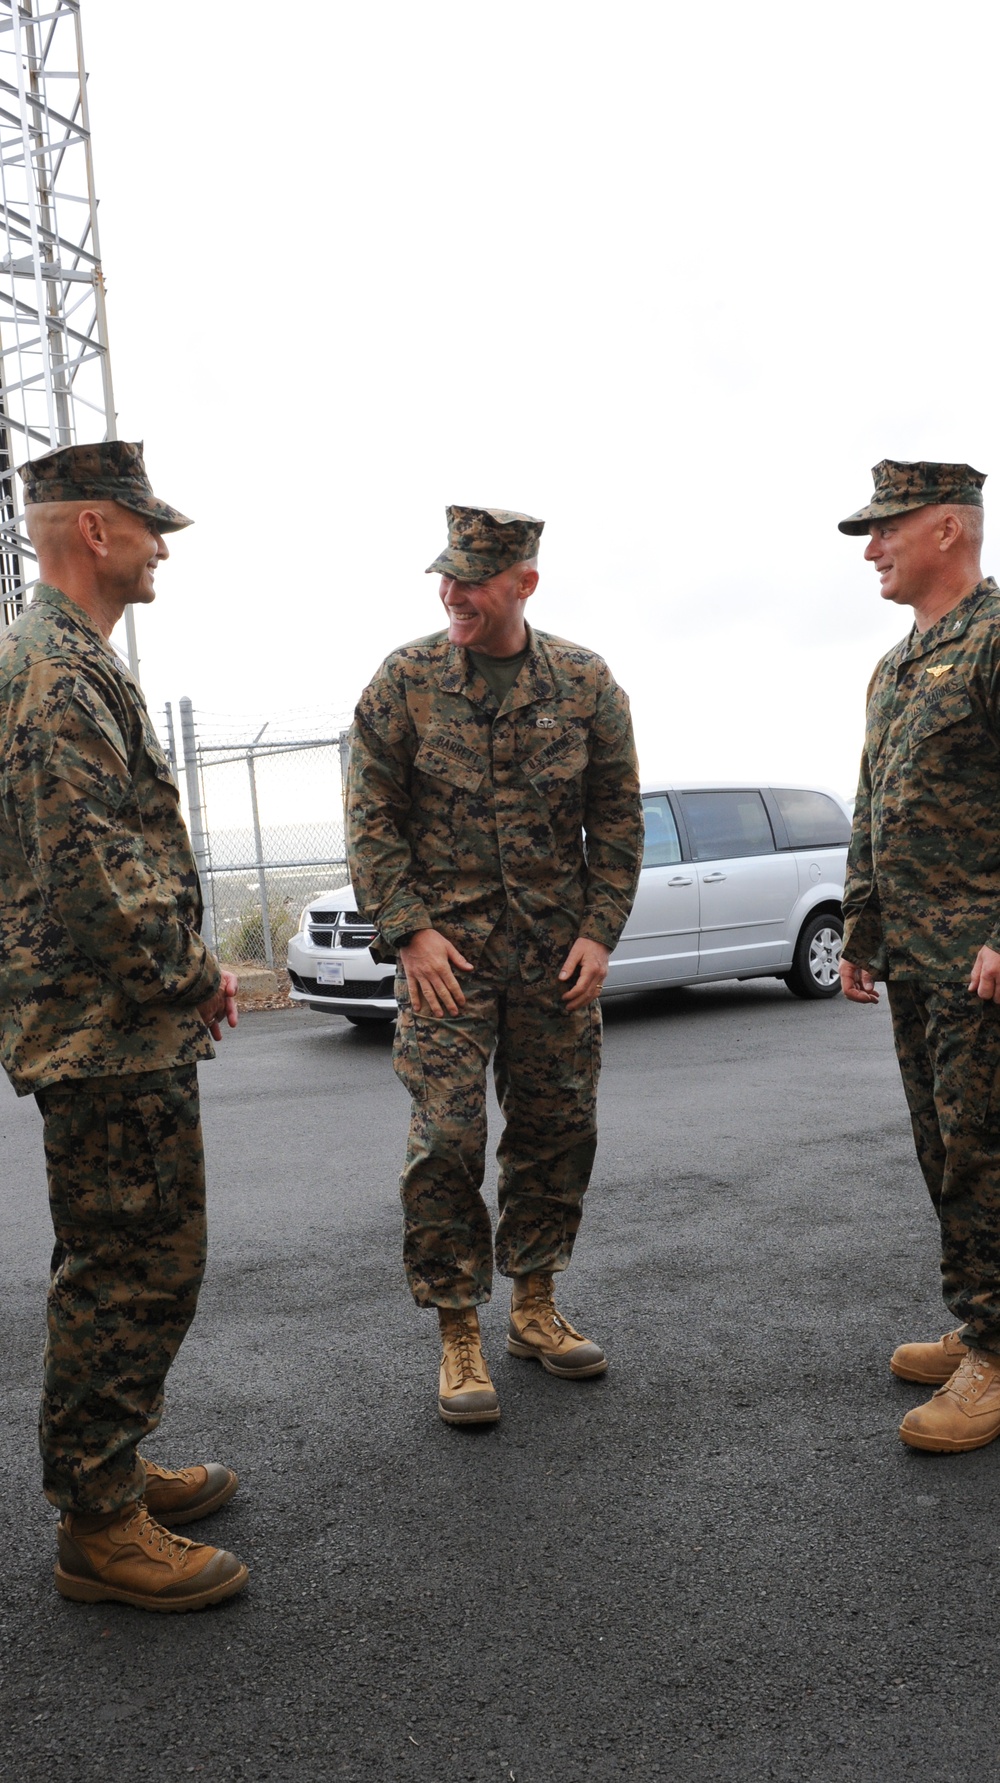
(663, 844)
(723, 824)
(812, 819)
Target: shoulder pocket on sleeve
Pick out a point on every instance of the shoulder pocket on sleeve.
(88, 750)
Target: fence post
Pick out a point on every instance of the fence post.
(258, 844)
(168, 713)
(198, 839)
(344, 742)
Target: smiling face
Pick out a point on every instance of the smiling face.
(906, 552)
(136, 546)
(489, 616)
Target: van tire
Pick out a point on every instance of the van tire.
(817, 955)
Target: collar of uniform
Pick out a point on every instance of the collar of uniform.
(47, 596)
(533, 683)
(951, 625)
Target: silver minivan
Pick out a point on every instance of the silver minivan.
(737, 881)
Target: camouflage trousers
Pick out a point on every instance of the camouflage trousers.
(127, 1196)
(948, 1046)
(545, 1067)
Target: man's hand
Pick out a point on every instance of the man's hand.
(986, 975)
(857, 983)
(427, 961)
(222, 1004)
(592, 958)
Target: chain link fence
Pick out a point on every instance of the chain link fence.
(267, 823)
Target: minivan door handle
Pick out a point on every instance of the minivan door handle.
(679, 879)
(713, 878)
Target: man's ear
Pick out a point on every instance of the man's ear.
(527, 584)
(950, 532)
(93, 531)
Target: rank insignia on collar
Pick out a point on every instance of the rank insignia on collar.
(939, 668)
(546, 724)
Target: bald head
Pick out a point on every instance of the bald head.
(53, 528)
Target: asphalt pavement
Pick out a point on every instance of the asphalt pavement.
(717, 1562)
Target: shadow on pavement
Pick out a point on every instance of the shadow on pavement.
(699, 999)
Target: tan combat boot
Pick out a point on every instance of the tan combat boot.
(126, 1557)
(964, 1414)
(465, 1391)
(188, 1494)
(537, 1330)
(933, 1363)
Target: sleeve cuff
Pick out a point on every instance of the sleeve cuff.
(205, 985)
(399, 927)
(597, 928)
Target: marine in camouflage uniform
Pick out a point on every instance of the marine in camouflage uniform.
(104, 984)
(922, 898)
(468, 807)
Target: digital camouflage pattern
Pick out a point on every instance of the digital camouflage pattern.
(923, 873)
(114, 470)
(545, 1068)
(460, 809)
(468, 815)
(484, 541)
(948, 1045)
(901, 487)
(101, 963)
(127, 1196)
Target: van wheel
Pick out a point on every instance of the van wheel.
(815, 968)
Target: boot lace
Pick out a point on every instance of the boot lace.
(971, 1373)
(539, 1307)
(462, 1337)
(145, 1529)
(156, 1472)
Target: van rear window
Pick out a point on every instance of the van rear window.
(812, 819)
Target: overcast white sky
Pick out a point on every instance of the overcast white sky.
(671, 277)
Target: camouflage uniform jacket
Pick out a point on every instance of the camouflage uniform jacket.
(460, 810)
(101, 962)
(923, 872)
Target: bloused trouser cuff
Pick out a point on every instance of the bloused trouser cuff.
(127, 1195)
(546, 1067)
(948, 1045)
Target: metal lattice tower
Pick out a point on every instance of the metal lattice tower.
(55, 368)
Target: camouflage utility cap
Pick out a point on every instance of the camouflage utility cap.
(900, 487)
(111, 470)
(484, 541)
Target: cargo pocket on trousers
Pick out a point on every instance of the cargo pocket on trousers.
(75, 1138)
(406, 1060)
(589, 1048)
(982, 1095)
(143, 1134)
